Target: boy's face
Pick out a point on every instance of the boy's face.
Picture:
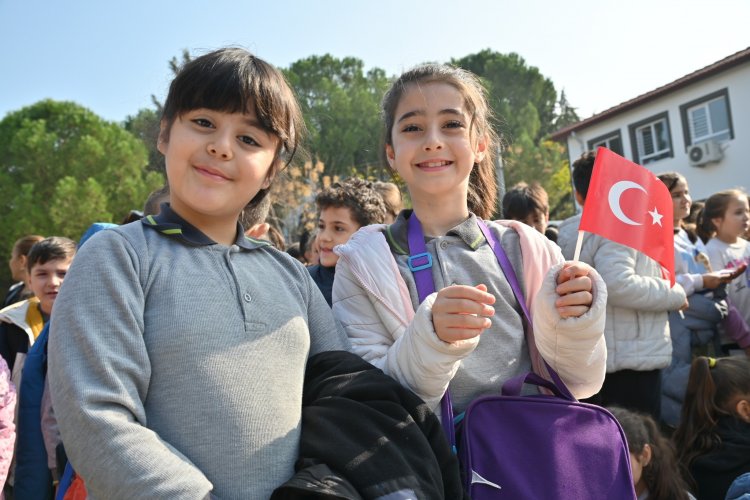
(335, 226)
(216, 163)
(45, 280)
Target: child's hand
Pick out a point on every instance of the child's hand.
(462, 312)
(574, 288)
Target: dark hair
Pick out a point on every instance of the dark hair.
(552, 233)
(52, 248)
(712, 386)
(662, 476)
(232, 80)
(359, 196)
(255, 214)
(583, 167)
(294, 251)
(23, 245)
(523, 200)
(155, 199)
(388, 191)
(716, 206)
(482, 196)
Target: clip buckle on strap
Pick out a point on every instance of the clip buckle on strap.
(420, 261)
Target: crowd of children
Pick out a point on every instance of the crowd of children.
(175, 364)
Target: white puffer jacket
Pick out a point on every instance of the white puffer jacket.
(372, 302)
(637, 327)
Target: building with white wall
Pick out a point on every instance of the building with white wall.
(698, 125)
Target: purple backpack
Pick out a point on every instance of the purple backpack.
(546, 445)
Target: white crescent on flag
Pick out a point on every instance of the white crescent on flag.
(615, 192)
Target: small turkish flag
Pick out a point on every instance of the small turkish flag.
(628, 204)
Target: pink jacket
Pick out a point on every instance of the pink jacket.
(7, 425)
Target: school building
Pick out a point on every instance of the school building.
(698, 125)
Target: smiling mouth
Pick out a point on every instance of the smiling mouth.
(434, 164)
(213, 174)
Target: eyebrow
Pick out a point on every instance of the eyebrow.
(421, 112)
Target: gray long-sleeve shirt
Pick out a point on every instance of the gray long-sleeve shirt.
(176, 364)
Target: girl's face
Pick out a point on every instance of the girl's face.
(216, 163)
(735, 221)
(681, 201)
(432, 148)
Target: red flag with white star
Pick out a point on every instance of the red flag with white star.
(628, 204)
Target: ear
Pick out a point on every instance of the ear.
(267, 181)
(646, 455)
(742, 410)
(390, 154)
(481, 149)
(258, 231)
(579, 198)
(160, 141)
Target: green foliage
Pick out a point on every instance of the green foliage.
(62, 168)
(521, 97)
(545, 163)
(341, 105)
(145, 126)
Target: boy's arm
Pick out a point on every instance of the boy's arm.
(408, 351)
(626, 288)
(326, 334)
(99, 376)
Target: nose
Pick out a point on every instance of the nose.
(220, 147)
(432, 140)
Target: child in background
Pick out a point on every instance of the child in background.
(725, 219)
(469, 334)
(698, 325)
(713, 438)
(394, 202)
(17, 263)
(21, 325)
(178, 350)
(529, 204)
(343, 208)
(656, 474)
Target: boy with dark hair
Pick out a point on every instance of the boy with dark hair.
(343, 208)
(528, 204)
(638, 300)
(20, 323)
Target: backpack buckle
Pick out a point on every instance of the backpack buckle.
(420, 261)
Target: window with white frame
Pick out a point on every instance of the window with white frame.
(611, 141)
(650, 139)
(707, 119)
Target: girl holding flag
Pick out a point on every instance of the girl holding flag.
(469, 334)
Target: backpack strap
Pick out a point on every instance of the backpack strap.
(510, 275)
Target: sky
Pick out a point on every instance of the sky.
(111, 57)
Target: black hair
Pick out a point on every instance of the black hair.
(52, 248)
(233, 80)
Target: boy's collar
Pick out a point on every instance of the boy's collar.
(169, 223)
(397, 233)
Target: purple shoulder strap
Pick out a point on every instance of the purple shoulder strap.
(420, 264)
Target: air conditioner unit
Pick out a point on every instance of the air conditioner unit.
(705, 152)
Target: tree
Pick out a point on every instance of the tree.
(521, 97)
(145, 126)
(341, 106)
(62, 168)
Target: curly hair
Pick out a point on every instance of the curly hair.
(359, 196)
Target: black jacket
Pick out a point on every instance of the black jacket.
(715, 471)
(366, 436)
